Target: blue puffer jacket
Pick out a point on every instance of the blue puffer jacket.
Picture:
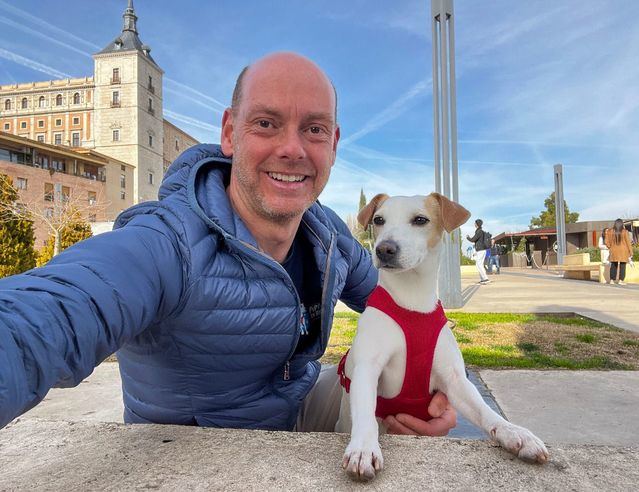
(206, 325)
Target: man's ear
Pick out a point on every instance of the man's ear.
(366, 214)
(453, 214)
(227, 132)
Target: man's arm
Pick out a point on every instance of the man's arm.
(59, 321)
(476, 237)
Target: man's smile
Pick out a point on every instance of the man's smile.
(291, 178)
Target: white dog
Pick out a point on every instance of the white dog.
(404, 322)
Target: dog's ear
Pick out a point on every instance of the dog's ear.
(453, 214)
(366, 214)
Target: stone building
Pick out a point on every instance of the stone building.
(51, 179)
(118, 111)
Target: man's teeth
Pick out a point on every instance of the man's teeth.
(286, 177)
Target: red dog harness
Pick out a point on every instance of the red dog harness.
(421, 331)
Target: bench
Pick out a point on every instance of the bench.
(578, 266)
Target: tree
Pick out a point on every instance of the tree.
(547, 217)
(362, 199)
(16, 234)
(75, 229)
(57, 211)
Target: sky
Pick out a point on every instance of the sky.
(538, 83)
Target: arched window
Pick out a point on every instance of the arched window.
(58, 100)
(76, 98)
(24, 103)
(7, 104)
(41, 102)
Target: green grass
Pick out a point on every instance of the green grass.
(505, 340)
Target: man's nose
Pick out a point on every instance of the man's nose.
(387, 251)
(291, 145)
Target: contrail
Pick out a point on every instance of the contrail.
(221, 105)
(43, 23)
(195, 100)
(192, 121)
(21, 60)
(390, 113)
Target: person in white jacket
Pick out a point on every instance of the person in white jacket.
(605, 252)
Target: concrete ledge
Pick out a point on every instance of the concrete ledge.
(39, 455)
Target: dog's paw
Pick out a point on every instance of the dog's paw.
(520, 442)
(361, 462)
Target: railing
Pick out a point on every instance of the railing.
(115, 104)
(115, 80)
(152, 89)
(152, 111)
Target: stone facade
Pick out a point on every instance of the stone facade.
(118, 111)
(49, 177)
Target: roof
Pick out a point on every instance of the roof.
(128, 39)
(542, 231)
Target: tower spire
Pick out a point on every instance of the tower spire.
(129, 19)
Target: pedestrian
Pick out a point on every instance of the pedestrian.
(495, 253)
(219, 297)
(603, 249)
(479, 240)
(620, 251)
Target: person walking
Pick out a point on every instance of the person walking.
(495, 252)
(620, 251)
(604, 252)
(480, 251)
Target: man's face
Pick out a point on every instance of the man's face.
(283, 138)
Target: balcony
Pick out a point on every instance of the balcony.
(152, 89)
(115, 80)
(151, 111)
(115, 104)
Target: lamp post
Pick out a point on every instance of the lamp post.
(445, 142)
(560, 214)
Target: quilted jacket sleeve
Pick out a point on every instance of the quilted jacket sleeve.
(59, 321)
(362, 275)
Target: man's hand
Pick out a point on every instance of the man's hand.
(444, 419)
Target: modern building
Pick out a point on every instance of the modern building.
(53, 178)
(117, 111)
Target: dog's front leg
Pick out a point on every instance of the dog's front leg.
(363, 456)
(449, 376)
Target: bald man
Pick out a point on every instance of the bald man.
(219, 297)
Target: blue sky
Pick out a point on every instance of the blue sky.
(538, 83)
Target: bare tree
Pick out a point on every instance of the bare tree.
(56, 210)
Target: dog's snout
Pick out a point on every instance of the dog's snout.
(387, 251)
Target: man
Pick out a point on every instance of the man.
(220, 296)
(495, 252)
(480, 251)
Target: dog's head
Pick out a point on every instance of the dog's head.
(409, 229)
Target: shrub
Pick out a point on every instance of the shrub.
(595, 253)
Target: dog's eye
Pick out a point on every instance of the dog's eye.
(420, 220)
(378, 220)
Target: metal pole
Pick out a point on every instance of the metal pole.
(436, 118)
(560, 218)
(445, 142)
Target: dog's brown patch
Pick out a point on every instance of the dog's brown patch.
(366, 214)
(452, 213)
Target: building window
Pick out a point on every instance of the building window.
(21, 183)
(92, 218)
(150, 140)
(41, 102)
(40, 138)
(75, 139)
(23, 125)
(76, 120)
(151, 180)
(177, 144)
(40, 123)
(115, 79)
(7, 105)
(7, 126)
(58, 100)
(58, 122)
(122, 195)
(48, 213)
(115, 99)
(150, 105)
(48, 192)
(122, 168)
(24, 103)
(76, 98)
(66, 194)
(57, 138)
(122, 181)
(116, 135)
(93, 197)
(151, 88)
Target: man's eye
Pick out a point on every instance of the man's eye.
(264, 123)
(378, 220)
(315, 129)
(420, 220)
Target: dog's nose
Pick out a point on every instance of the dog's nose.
(387, 251)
